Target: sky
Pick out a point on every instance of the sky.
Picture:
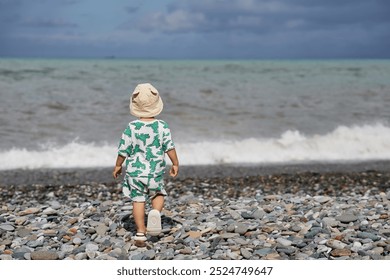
(196, 29)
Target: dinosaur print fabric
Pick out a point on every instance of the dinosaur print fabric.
(144, 145)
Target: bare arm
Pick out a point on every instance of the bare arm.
(174, 171)
(118, 166)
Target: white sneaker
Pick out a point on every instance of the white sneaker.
(153, 227)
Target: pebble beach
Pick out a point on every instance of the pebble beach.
(308, 212)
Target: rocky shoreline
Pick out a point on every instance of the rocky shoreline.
(288, 213)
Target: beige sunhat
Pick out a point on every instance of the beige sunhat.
(145, 101)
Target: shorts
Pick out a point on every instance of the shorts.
(142, 189)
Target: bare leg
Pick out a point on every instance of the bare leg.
(158, 202)
(139, 216)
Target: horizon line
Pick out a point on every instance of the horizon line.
(188, 58)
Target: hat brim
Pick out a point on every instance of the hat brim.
(149, 112)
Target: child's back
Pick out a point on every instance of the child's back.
(144, 144)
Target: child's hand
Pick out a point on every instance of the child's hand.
(117, 171)
(174, 171)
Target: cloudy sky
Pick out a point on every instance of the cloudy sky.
(195, 28)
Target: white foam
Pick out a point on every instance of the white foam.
(71, 155)
(357, 143)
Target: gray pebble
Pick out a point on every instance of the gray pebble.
(313, 232)
(371, 236)
(7, 227)
(5, 257)
(149, 254)
(331, 222)
(91, 247)
(66, 248)
(76, 241)
(241, 223)
(246, 253)
(240, 228)
(284, 242)
(347, 218)
(287, 250)
(296, 228)
(44, 255)
(335, 244)
(263, 252)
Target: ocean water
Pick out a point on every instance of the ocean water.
(61, 113)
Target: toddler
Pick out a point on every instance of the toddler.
(143, 145)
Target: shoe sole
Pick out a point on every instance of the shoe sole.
(153, 227)
(140, 243)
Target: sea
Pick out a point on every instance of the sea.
(70, 113)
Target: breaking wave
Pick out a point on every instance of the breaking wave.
(355, 143)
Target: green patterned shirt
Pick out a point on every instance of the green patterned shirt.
(144, 144)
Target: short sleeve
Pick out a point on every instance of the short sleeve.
(167, 138)
(125, 144)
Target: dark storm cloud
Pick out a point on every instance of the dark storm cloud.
(278, 28)
(197, 29)
(9, 3)
(8, 7)
(132, 9)
(13, 14)
(265, 16)
(9, 15)
(48, 23)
